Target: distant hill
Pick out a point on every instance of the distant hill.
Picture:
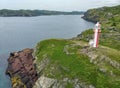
(108, 16)
(29, 13)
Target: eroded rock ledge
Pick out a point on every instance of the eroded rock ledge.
(21, 69)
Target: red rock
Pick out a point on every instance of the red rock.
(21, 64)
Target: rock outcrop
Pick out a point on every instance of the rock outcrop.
(89, 16)
(45, 82)
(21, 69)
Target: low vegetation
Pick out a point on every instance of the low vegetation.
(76, 65)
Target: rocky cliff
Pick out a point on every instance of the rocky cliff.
(21, 69)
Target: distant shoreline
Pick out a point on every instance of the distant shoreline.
(33, 13)
(43, 15)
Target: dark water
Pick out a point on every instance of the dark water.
(17, 33)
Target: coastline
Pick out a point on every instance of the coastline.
(36, 84)
(88, 51)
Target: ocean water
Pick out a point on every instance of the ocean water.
(17, 33)
(20, 32)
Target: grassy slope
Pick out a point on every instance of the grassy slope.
(107, 38)
(75, 64)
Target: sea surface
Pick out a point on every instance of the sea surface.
(17, 33)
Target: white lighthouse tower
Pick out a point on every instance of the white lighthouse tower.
(96, 34)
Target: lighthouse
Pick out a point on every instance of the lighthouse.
(96, 34)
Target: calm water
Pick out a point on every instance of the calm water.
(20, 32)
(17, 33)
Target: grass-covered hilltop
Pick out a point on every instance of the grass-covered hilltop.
(72, 63)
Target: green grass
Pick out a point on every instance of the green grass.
(111, 41)
(114, 54)
(107, 38)
(69, 85)
(72, 66)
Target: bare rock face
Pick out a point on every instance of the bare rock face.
(21, 69)
(45, 82)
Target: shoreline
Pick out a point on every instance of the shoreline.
(33, 54)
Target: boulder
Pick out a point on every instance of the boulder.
(21, 69)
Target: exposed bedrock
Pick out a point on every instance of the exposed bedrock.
(21, 69)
